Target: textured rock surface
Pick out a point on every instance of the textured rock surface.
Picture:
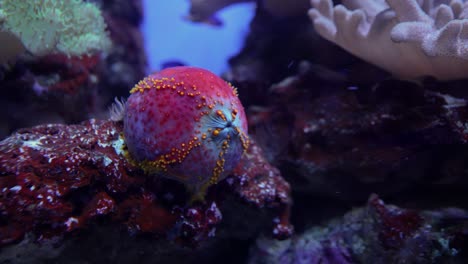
(339, 129)
(377, 233)
(64, 185)
(347, 141)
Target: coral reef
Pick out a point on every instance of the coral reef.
(59, 180)
(273, 51)
(377, 233)
(58, 88)
(326, 131)
(186, 123)
(346, 130)
(45, 27)
(339, 128)
(407, 38)
(344, 142)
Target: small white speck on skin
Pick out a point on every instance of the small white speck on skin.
(216, 211)
(107, 161)
(70, 221)
(16, 188)
(34, 144)
(212, 232)
(118, 145)
(230, 180)
(103, 145)
(192, 211)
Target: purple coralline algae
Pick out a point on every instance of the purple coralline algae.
(377, 233)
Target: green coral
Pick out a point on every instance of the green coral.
(71, 27)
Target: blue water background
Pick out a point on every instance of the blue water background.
(168, 37)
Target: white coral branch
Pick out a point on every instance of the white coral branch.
(410, 38)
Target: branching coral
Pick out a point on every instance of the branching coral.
(71, 27)
(410, 38)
